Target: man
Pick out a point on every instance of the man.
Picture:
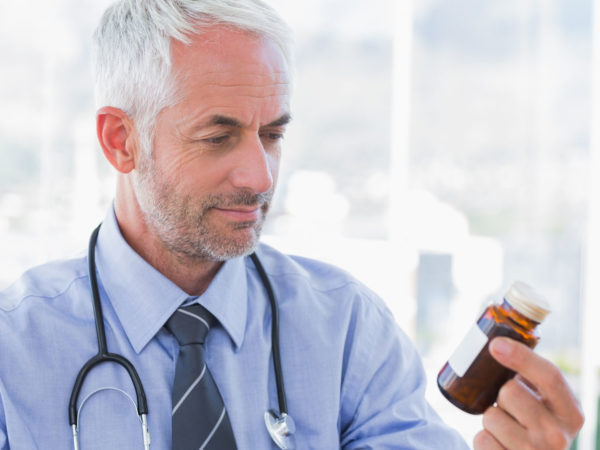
(194, 100)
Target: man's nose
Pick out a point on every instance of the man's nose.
(254, 166)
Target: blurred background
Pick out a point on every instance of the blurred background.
(439, 151)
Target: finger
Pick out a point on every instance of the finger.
(544, 376)
(524, 405)
(529, 386)
(504, 428)
(485, 441)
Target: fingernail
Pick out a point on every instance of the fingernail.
(501, 346)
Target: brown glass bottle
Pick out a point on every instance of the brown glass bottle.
(472, 378)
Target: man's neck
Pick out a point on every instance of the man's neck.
(192, 275)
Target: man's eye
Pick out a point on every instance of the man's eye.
(273, 136)
(217, 140)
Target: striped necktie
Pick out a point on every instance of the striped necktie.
(200, 420)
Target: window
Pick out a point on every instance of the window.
(438, 151)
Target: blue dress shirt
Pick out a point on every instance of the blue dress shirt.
(353, 379)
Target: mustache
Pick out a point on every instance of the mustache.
(239, 198)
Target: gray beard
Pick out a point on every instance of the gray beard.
(182, 222)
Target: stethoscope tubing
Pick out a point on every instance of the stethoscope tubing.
(281, 398)
(104, 356)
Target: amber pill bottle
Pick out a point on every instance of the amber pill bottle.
(472, 378)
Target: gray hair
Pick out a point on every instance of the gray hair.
(132, 49)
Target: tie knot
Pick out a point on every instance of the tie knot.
(190, 324)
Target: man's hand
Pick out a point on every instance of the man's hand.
(535, 410)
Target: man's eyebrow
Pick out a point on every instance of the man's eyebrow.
(283, 120)
(231, 122)
(225, 121)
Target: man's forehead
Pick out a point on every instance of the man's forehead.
(222, 58)
(239, 77)
(225, 49)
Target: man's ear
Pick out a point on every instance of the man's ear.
(117, 136)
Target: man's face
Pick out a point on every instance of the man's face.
(207, 186)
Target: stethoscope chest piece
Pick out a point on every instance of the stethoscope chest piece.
(282, 429)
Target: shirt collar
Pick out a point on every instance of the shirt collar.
(144, 299)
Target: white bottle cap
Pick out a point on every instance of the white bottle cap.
(527, 301)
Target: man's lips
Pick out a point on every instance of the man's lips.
(241, 213)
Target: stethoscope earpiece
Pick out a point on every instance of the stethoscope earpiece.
(282, 429)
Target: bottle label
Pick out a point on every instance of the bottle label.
(468, 350)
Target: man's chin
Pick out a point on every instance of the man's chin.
(222, 255)
(237, 247)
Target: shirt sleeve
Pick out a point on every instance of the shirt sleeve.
(383, 392)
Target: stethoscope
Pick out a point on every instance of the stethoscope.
(280, 425)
